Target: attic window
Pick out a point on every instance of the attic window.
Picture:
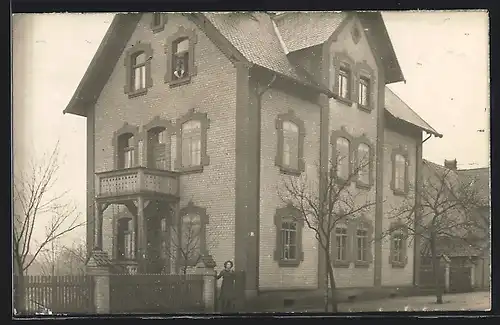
(180, 57)
(157, 22)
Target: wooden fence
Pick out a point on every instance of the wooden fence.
(59, 294)
(155, 293)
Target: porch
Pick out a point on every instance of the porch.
(141, 231)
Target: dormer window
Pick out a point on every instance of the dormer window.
(180, 54)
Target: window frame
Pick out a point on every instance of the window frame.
(192, 209)
(334, 136)
(125, 129)
(279, 123)
(121, 240)
(398, 230)
(363, 139)
(181, 33)
(366, 72)
(342, 61)
(287, 214)
(154, 124)
(344, 263)
(404, 153)
(204, 121)
(156, 28)
(366, 224)
(129, 64)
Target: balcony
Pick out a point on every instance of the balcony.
(123, 184)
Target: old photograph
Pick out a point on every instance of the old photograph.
(242, 162)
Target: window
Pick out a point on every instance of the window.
(180, 60)
(180, 57)
(400, 181)
(290, 144)
(157, 139)
(138, 69)
(288, 240)
(399, 235)
(343, 158)
(364, 92)
(341, 239)
(126, 151)
(344, 82)
(139, 74)
(126, 246)
(156, 19)
(362, 244)
(289, 226)
(364, 164)
(191, 144)
(190, 239)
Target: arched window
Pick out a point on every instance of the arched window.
(399, 172)
(191, 143)
(290, 145)
(126, 151)
(157, 142)
(343, 158)
(363, 165)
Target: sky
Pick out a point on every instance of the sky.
(443, 55)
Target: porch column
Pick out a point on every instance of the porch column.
(98, 225)
(141, 235)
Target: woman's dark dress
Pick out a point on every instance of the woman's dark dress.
(226, 290)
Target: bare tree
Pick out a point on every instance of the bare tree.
(443, 215)
(186, 242)
(72, 259)
(322, 210)
(35, 202)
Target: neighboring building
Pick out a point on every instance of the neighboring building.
(196, 118)
(471, 248)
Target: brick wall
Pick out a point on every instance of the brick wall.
(212, 189)
(356, 123)
(396, 276)
(272, 276)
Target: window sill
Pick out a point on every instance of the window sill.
(341, 264)
(398, 265)
(362, 264)
(290, 171)
(366, 109)
(363, 186)
(399, 192)
(137, 93)
(345, 101)
(288, 263)
(179, 82)
(191, 170)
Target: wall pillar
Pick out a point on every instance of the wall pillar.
(206, 268)
(98, 266)
(473, 275)
(98, 225)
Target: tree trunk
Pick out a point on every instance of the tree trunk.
(435, 270)
(19, 291)
(333, 289)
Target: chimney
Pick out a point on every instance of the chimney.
(450, 164)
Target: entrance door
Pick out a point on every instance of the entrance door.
(460, 279)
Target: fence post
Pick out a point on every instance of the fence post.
(447, 277)
(206, 268)
(98, 266)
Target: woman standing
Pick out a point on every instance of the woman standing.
(227, 287)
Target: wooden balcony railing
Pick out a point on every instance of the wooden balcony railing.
(136, 180)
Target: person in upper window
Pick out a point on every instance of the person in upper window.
(227, 287)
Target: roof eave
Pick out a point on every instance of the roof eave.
(428, 131)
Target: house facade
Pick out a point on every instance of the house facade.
(194, 121)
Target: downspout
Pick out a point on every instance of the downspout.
(259, 94)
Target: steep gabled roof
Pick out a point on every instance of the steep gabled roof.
(400, 110)
(481, 180)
